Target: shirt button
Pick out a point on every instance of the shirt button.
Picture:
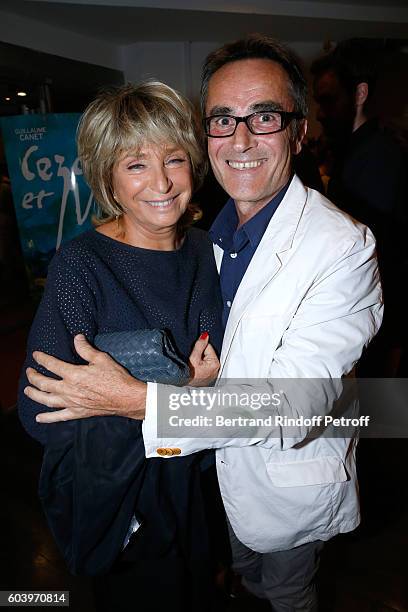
(229, 304)
(233, 255)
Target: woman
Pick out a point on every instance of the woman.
(143, 267)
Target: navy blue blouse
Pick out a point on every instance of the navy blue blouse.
(96, 285)
(95, 476)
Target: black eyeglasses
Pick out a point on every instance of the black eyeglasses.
(263, 122)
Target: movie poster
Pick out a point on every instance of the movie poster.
(52, 201)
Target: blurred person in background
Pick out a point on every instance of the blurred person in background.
(368, 177)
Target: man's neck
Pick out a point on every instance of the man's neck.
(247, 210)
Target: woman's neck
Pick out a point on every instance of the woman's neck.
(123, 230)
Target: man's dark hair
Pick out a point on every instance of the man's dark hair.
(353, 61)
(257, 46)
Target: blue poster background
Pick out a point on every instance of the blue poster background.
(52, 201)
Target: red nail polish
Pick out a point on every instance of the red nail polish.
(204, 336)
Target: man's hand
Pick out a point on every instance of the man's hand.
(102, 387)
(203, 362)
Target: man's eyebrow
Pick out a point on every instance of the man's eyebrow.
(220, 110)
(266, 105)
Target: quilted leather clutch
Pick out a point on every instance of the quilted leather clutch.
(148, 354)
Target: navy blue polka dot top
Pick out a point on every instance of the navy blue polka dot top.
(97, 284)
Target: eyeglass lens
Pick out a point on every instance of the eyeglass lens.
(258, 123)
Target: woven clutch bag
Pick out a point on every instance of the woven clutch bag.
(148, 354)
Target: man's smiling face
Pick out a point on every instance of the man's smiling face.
(251, 168)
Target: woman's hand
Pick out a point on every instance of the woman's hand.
(203, 362)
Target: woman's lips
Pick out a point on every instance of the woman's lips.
(161, 203)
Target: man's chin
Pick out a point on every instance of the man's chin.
(243, 190)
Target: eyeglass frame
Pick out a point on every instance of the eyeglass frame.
(286, 118)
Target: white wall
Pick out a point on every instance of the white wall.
(199, 51)
(176, 63)
(166, 61)
(39, 36)
(179, 64)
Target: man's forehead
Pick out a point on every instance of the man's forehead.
(246, 83)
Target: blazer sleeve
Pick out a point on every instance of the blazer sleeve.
(335, 320)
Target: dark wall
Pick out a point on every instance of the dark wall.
(72, 84)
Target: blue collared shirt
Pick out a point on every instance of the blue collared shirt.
(239, 245)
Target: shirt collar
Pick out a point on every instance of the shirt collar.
(224, 226)
(224, 229)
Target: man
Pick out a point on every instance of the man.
(301, 299)
(368, 178)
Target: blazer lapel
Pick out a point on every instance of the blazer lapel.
(268, 259)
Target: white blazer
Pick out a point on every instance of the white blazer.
(309, 302)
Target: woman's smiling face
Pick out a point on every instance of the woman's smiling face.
(153, 186)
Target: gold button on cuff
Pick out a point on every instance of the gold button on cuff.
(168, 452)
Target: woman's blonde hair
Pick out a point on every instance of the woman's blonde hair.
(122, 120)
